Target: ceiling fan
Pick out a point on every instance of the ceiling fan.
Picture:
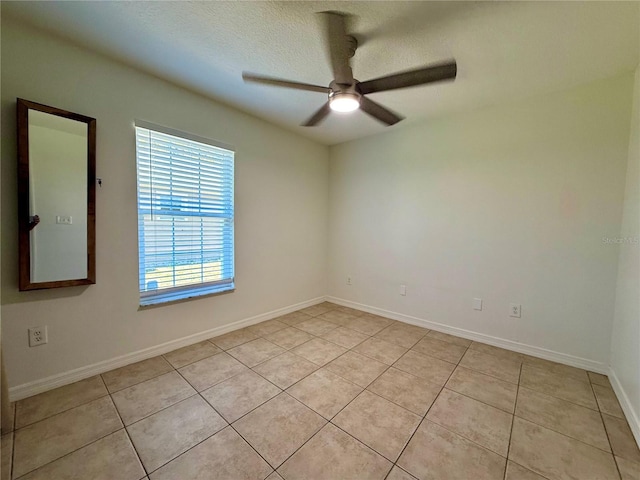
(347, 94)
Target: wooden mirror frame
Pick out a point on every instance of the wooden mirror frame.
(24, 248)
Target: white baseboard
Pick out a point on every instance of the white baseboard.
(532, 350)
(629, 411)
(44, 384)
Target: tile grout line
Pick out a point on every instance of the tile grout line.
(230, 334)
(265, 360)
(606, 431)
(513, 421)
(161, 409)
(163, 355)
(391, 470)
(480, 373)
(71, 452)
(391, 401)
(467, 438)
(142, 381)
(13, 442)
(528, 470)
(469, 367)
(13, 438)
(570, 376)
(424, 417)
(560, 398)
(475, 399)
(284, 389)
(288, 349)
(63, 411)
(124, 427)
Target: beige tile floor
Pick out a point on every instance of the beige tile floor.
(327, 393)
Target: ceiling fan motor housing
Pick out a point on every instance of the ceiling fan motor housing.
(344, 98)
(337, 88)
(352, 45)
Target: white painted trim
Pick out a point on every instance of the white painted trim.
(44, 384)
(633, 417)
(532, 350)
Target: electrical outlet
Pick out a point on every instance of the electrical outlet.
(348, 280)
(515, 310)
(403, 290)
(38, 336)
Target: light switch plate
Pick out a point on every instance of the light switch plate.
(477, 304)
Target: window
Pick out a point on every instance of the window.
(185, 215)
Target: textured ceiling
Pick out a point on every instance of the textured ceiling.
(504, 50)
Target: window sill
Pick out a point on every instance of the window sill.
(184, 296)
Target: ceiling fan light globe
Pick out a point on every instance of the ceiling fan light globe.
(344, 102)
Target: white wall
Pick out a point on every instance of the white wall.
(508, 204)
(625, 341)
(281, 210)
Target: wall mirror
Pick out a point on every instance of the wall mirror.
(56, 197)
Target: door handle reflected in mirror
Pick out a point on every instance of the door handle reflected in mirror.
(33, 221)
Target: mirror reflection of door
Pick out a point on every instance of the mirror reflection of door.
(57, 197)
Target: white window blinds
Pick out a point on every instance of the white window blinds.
(185, 215)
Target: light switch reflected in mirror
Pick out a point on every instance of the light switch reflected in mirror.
(57, 197)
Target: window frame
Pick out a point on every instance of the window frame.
(195, 290)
